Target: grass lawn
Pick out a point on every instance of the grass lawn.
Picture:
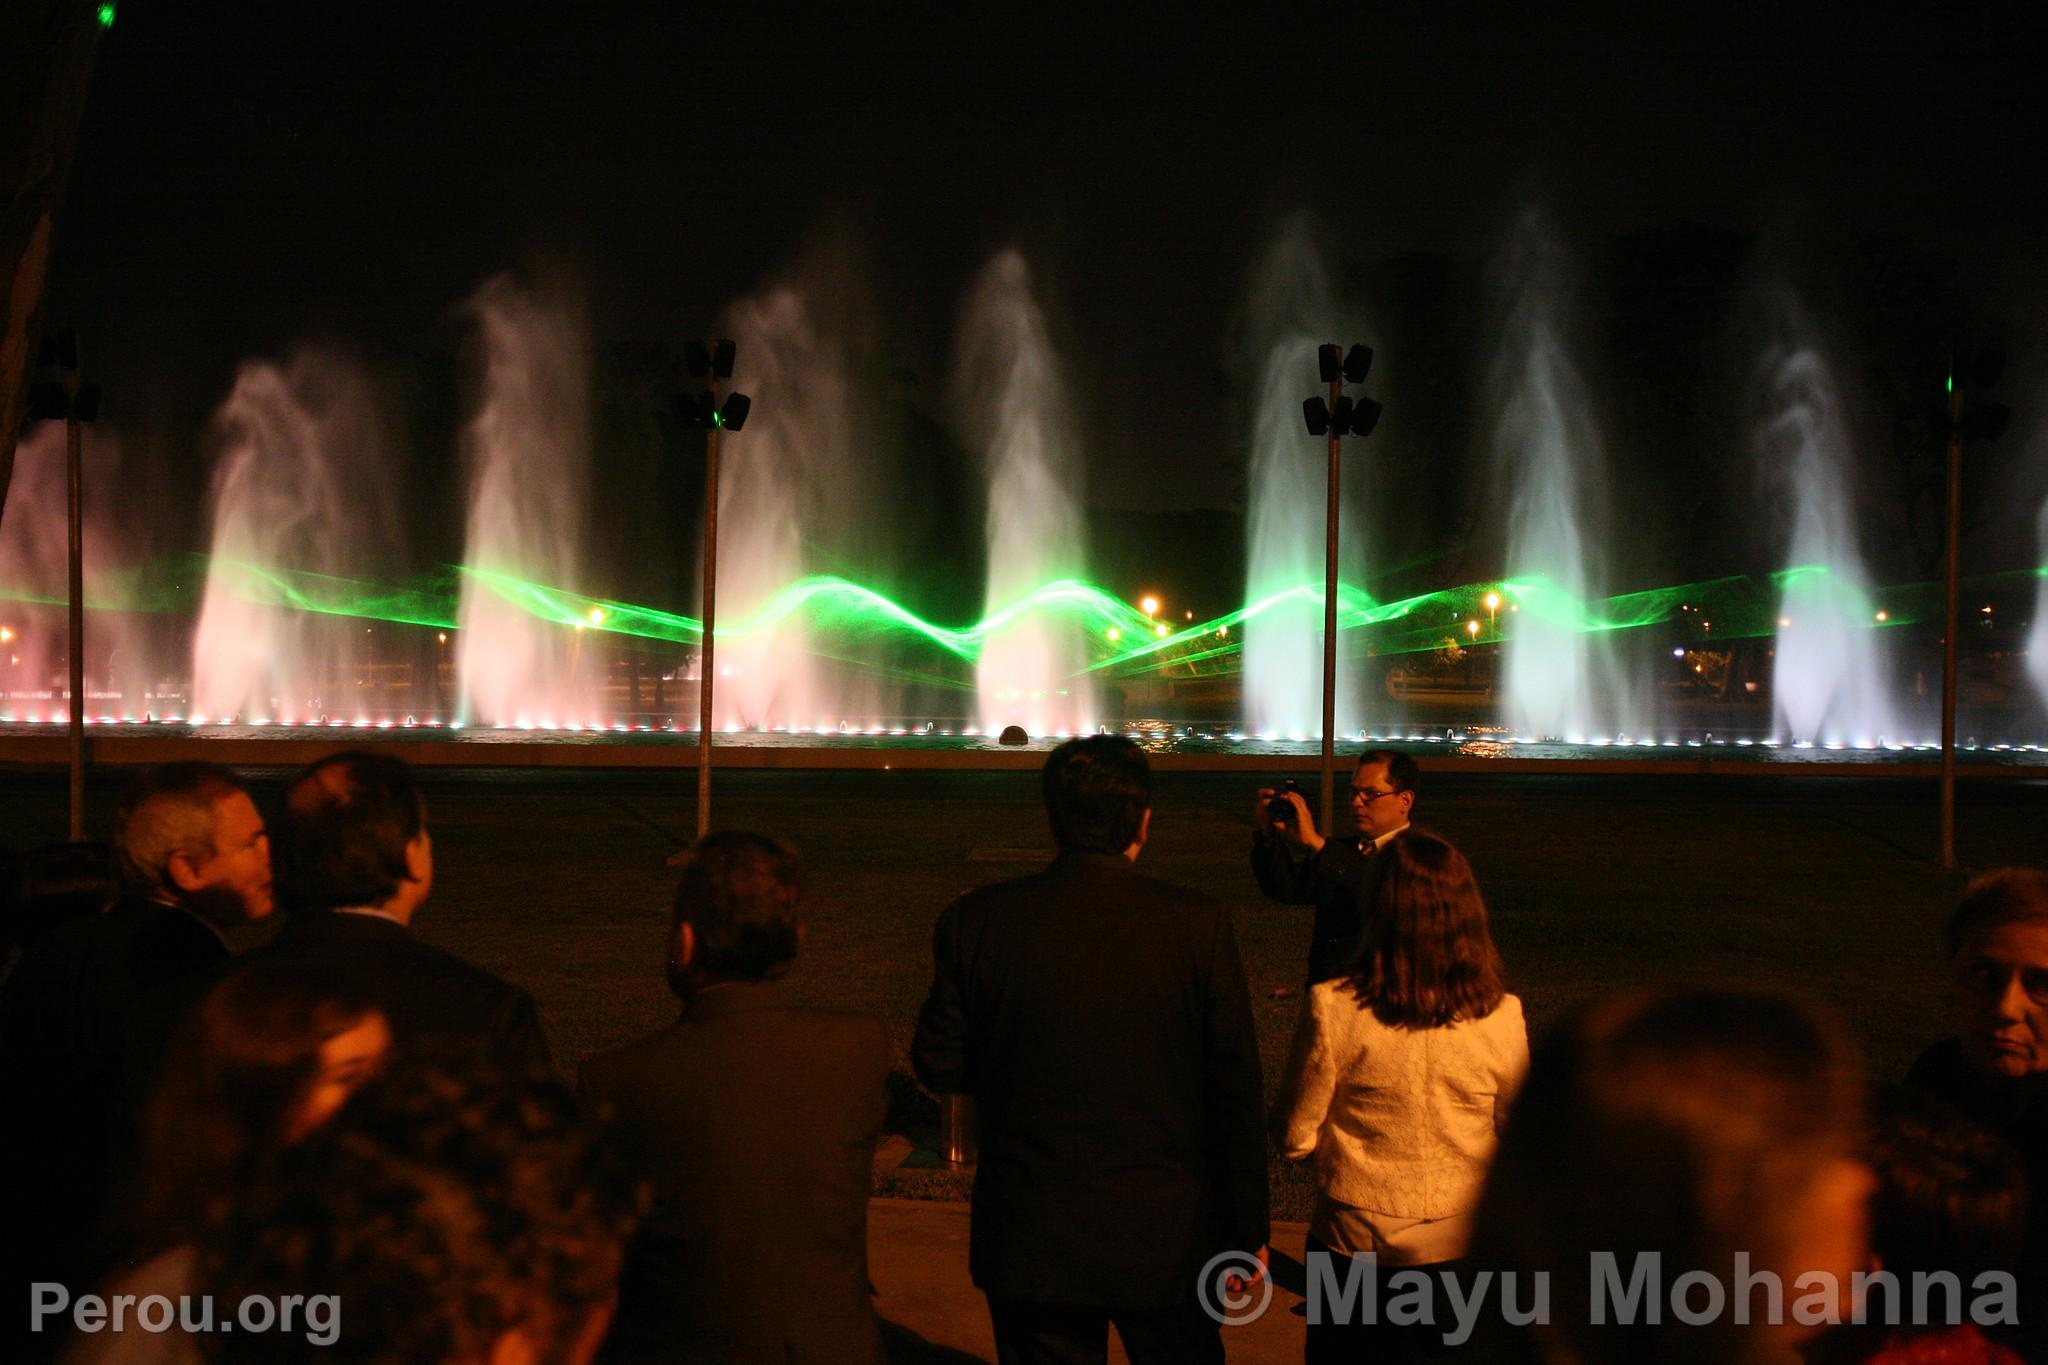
(558, 881)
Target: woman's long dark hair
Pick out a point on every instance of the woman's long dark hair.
(1429, 958)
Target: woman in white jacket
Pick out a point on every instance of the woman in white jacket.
(1399, 1077)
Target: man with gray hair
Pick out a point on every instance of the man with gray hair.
(86, 1009)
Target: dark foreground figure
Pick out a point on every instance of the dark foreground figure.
(1100, 1020)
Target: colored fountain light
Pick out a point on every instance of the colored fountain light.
(311, 612)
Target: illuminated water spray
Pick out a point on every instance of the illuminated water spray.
(298, 480)
(1014, 408)
(1830, 681)
(35, 579)
(1292, 312)
(527, 451)
(1562, 679)
(785, 479)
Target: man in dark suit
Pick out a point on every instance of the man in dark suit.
(83, 1006)
(355, 863)
(1100, 1020)
(754, 1121)
(1340, 877)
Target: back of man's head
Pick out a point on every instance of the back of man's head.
(1097, 790)
(739, 893)
(341, 838)
(169, 810)
(1403, 772)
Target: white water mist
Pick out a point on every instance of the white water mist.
(1014, 409)
(1562, 680)
(1292, 311)
(298, 485)
(1830, 681)
(527, 450)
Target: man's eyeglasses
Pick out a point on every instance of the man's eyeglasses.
(1368, 795)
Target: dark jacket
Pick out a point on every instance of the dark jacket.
(441, 1007)
(1340, 880)
(1101, 1022)
(754, 1122)
(67, 1028)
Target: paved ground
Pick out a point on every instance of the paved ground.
(917, 1256)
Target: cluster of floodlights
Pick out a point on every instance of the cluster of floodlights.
(702, 407)
(1343, 416)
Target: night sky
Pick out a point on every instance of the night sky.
(254, 176)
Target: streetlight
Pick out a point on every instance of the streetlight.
(1492, 606)
(703, 409)
(1338, 417)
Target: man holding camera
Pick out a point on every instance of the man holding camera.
(1295, 865)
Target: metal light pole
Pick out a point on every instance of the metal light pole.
(60, 395)
(716, 415)
(706, 668)
(1328, 785)
(1337, 416)
(74, 462)
(1972, 416)
(1951, 591)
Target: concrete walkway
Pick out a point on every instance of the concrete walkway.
(917, 1257)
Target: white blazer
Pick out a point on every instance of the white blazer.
(1399, 1121)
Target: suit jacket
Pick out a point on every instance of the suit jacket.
(66, 1029)
(1342, 881)
(1101, 1022)
(754, 1122)
(440, 1006)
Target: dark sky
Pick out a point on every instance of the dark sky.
(254, 175)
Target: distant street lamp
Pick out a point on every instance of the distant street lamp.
(1492, 606)
(1338, 416)
(703, 409)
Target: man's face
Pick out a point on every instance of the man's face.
(1376, 808)
(2001, 985)
(234, 884)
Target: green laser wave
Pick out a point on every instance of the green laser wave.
(840, 615)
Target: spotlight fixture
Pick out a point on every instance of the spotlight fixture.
(1357, 364)
(1329, 359)
(696, 359)
(722, 356)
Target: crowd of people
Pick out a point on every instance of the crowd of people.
(363, 1134)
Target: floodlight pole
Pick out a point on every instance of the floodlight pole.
(74, 463)
(1329, 775)
(1951, 627)
(706, 667)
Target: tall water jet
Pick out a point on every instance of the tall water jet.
(1830, 683)
(35, 582)
(1014, 408)
(1292, 311)
(791, 482)
(527, 454)
(298, 485)
(1562, 680)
